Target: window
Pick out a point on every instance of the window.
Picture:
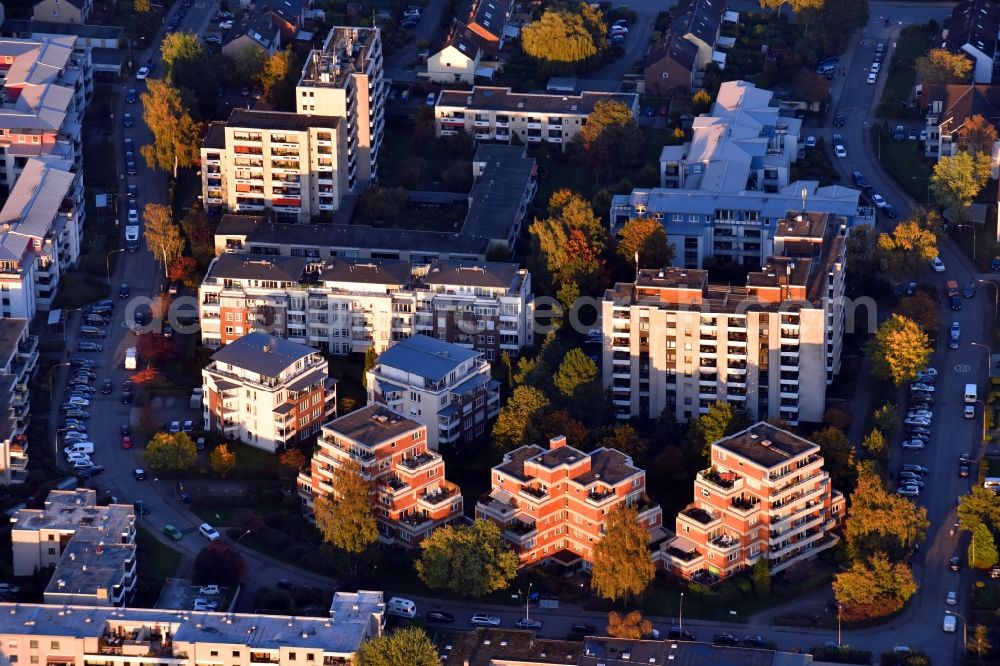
(54, 645)
(33, 645)
(214, 653)
(291, 656)
(310, 657)
(236, 653)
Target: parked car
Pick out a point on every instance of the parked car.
(528, 623)
(725, 638)
(890, 211)
(142, 73)
(484, 620)
(584, 629)
(970, 289)
(439, 616)
(756, 641)
(913, 444)
(964, 470)
(172, 532)
(908, 491)
(955, 563)
(676, 633)
(878, 201)
(126, 442)
(175, 427)
(139, 474)
(937, 265)
(209, 532)
(919, 469)
(840, 151)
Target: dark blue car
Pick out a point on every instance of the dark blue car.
(132, 96)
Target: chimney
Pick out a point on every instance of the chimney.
(556, 442)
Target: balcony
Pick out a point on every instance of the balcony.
(725, 481)
(683, 556)
(699, 515)
(415, 521)
(440, 495)
(744, 504)
(416, 462)
(520, 528)
(601, 496)
(724, 542)
(533, 492)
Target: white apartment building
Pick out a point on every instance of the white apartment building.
(494, 114)
(344, 305)
(446, 387)
(45, 86)
(344, 79)
(674, 341)
(18, 361)
(40, 229)
(288, 162)
(94, 574)
(267, 392)
(723, 193)
(78, 634)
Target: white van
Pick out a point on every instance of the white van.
(949, 624)
(79, 447)
(970, 393)
(992, 483)
(401, 607)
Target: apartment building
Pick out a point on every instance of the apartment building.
(294, 164)
(344, 79)
(674, 341)
(765, 494)
(94, 574)
(446, 387)
(41, 224)
(409, 489)
(267, 392)
(345, 306)
(67, 11)
(723, 194)
(45, 87)
(551, 503)
(490, 113)
(18, 362)
(973, 30)
(948, 108)
(65, 634)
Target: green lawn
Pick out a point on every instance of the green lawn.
(222, 515)
(76, 291)
(904, 161)
(985, 245)
(157, 561)
(912, 43)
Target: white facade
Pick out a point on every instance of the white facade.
(451, 65)
(18, 362)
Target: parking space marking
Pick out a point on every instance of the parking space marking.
(963, 367)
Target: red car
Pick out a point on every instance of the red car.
(126, 442)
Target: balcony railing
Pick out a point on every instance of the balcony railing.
(537, 493)
(723, 480)
(699, 515)
(744, 504)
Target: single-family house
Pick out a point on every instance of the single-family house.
(973, 30)
(686, 49)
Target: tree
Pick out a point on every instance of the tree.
(141, 6)
(611, 136)
(631, 626)
(701, 102)
(561, 40)
(200, 234)
(624, 438)
(840, 18)
(978, 507)
(921, 308)
(875, 445)
(382, 203)
(219, 563)
(862, 257)
(886, 417)
(371, 360)
(180, 46)
(899, 350)
(838, 457)
(458, 176)
(274, 71)
(146, 376)
(978, 135)
(905, 252)
(943, 67)
(881, 521)
(513, 424)
(162, 236)
(408, 645)
(347, 519)
(645, 236)
(980, 643)
(244, 66)
(170, 452)
(567, 246)
(873, 588)
(554, 422)
(761, 578)
(222, 460)
(156, 349)
(176, 137)
(721, 419)
(982, 548)
(958, 179)
(811, 87)
(293, 459)
(182, 269)
(623, 566)
(471, 560)
(574, 371)
(805, 10)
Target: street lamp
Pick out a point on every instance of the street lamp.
(839, 607)
(527, 605)
(989, 356)
(965, 627)
(107, 263)
(996, 294)
(680, 614)
(240, 538)
(980, 402)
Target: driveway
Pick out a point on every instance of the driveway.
(609, 77)
(398, 65)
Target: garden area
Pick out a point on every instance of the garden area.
(913, 42)
(156, 563)
(904, 160)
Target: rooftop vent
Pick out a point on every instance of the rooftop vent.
(765, 442)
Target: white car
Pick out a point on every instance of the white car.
(225, 25)
(872, 78)
(920, 414)
(876, 67)
(928, 372)
(878, 200)
(484, 620)
(923, 135)
(210, 590)
(922, 388)
(142, 73)
(916, 469)
(810, 142)
(80, 464)
(917, 420)
(951, 599)
(937, 264)
(209, 532)
(73, 457)
(908, 491)
(839, 151)
(970, 411)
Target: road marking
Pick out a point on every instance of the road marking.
(866, 42)
(963, 367)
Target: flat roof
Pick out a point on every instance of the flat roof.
(490, 98)
(257, 267)
(366, 271)
(77, 511)
(491, 274)
(11, 330)
(766, 445)
(613, 651)
(372, 425)
(279, 120)
(27, 27)
(496, 195)
(86, 568)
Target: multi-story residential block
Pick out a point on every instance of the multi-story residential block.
(723, 194)
(495, 114)
(675, 342)
(65, 11)
(267, 392)
(101, 42)
(477, 36)
(344, 79)
(446, 387)
(974, 30)
(294, 164)
(93, 574)
(409, 489)
(345, 306)
(47, 84)
(765, 494)
(679, 59)
(66, 634)
(41, 225)
(18, 362)
(551, 504)
(948, 109)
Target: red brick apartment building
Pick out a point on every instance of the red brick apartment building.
(412, 496)
(551, 503)
(766, 494)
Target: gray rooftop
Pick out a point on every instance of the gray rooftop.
(490, 274)
(367, 271)
(76, 511)
(372, 425)
(25, 28)
(87, 568)
(489, 98)
(11, 330)
(278, 120)
(255, 267)
(215, 137)
(264, 354)
(496, 195)
(426, 357)
(767, 445)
